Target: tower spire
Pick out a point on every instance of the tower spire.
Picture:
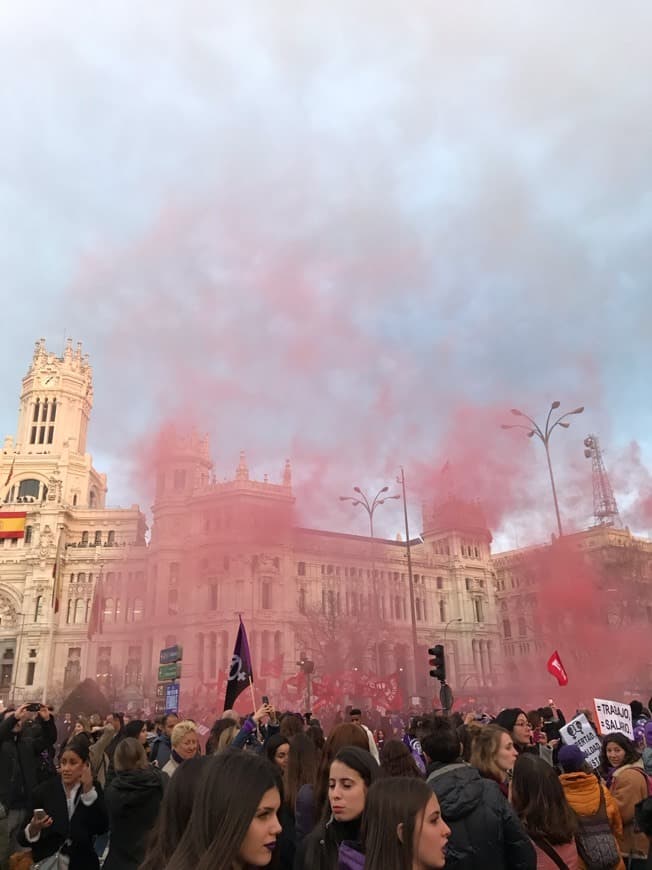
(242, 472)
(605, 509)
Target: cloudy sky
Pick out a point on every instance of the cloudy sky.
(355, 234)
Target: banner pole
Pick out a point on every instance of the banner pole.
(253, 697)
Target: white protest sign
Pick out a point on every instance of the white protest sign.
(580, 733)
(613, 716)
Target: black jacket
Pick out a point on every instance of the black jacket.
(86, 823)
(485, 832)
(133, 799)
(19, 758)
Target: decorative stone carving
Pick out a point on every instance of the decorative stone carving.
(7, 613)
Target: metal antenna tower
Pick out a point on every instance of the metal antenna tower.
(605, 509)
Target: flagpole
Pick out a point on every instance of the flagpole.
(54, 613)
(253, 697)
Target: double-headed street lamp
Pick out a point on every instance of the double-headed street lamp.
(544, 436)
(370, 506)
(362, 500)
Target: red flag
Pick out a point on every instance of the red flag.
(556, 668)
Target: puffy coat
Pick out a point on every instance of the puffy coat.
(19, 758)
(133, 799)
(485, 831)
(628, 787)
(582, 792)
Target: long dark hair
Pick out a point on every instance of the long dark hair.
(539, 800)
(176, 807)
(632, 755)
(273, 744)
(301, 769)
(346, 734)
(228, 795)
(396, 760)
(390, 803)
(323, 844)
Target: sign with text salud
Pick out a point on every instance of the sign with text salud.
(579, 732)
(613, 716)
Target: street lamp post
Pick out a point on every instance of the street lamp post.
(370, 507)
(544, 436)
(413, 613)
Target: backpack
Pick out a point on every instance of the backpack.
(595, 842)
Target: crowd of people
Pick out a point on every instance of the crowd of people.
(456, 791)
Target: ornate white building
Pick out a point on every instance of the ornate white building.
(71, 537)
(217, 549)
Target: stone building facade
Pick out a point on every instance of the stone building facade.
(220, 548)
(71, 536)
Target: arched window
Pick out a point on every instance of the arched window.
(267, 595)
(80, 611)
(29, 489)
(92, 499)
(71, 610)
(37, 406)
(81, 577)
(442, 611)
(118, 610)
(110, 539)
(108, 610)
(98, 538)
(302, 600)
(418, 608)
(84, 539)
(139, 609)
(37, 608)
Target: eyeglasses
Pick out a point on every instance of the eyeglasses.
(523, 724)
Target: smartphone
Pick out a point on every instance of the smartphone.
(33, 708)
(265, 699)
(39, 815)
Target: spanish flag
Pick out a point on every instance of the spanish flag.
(12, 525)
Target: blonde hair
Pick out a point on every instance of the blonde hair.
(226, 738)
(486, 744)
(181, 729)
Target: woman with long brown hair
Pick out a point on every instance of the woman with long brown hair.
(539, 801)
(312, 797)
(493, 753)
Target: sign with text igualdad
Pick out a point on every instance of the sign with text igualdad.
(580, 733)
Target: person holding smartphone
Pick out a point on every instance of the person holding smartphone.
(65, 814)
(25, 733)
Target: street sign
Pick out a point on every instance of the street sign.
(172, 698)
(171, 654)
(169, 672)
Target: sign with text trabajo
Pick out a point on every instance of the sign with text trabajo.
(580, 733)
(613, 716)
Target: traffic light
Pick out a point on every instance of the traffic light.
(438, 662)
(306, 665)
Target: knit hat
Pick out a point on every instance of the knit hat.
(571, 759)
(507, 718)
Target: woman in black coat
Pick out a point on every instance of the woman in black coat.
(66, 813)
(133, 799)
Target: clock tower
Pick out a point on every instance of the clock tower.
(55, 408)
